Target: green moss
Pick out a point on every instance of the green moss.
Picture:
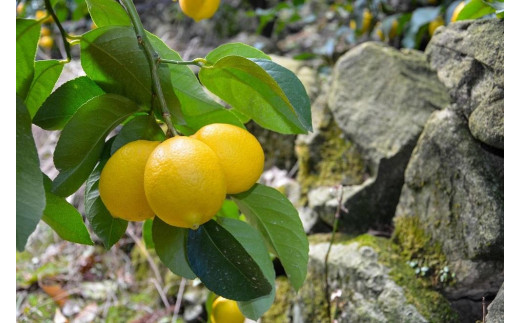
(333, 160)
(418, 291)
(279, 311)
(413, 243)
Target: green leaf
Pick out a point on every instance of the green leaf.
(82, 139)
(63, 218)
(252, 242)
(30, 194)
(147, 234)
(235, 49)
(252, 91)
(140, 127)
(475, 9)
(420, 18)
(104, 225)
(293, 89)
(279, 223)
(108, 13)
(170, 245)
(223, 265)
(46, 74)
(59, 107)
(198, 108)
(27, 35)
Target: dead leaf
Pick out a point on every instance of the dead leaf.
(58, 294)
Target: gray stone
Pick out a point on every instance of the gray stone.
(454, 186)
(360, 287)
(469, 59)
(496, 308)
(381, 98)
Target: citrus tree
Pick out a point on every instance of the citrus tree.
(179, 160)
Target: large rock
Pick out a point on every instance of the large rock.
(454, 190)
(496, 308)
(367, 282)
(469, 59)
(380, 98)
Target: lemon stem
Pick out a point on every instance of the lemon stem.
(153, 60)
(198, 62)
(64, 35)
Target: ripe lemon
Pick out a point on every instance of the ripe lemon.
(199, 9)
(45, 31)
(184, 182)
(434, 24)
(457, 11)
(240, 154)
(367, 20)
(121, 185)
(226, 311)
(46, 42)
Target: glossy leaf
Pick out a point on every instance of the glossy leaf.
(140, 127)
(27, 35)
(107, 13)
(170, 245)
(198, 108)
(293, 89)
(59, 107)
(251, 90)
(223, 265)
(30, 194)
(252, 242)
(106, 227)
(63, 218)
(46, 74)
(279, 223)
(147, 234)
(82, 139)
(475, 9)
(236, 49)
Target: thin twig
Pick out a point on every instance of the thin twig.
(64, 35)
(179, 300)
(153, 60)
(334, 229)
(197, 61)
(158, 282)
(483, 309)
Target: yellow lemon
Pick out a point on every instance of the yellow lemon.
(199, 9)
(239, 152)
(226, 311)
(45, 31)
(367, 20)
(184, 182)
(46, 42)
(121, 185)
(434, 24)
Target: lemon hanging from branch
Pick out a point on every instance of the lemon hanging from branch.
(199, 9)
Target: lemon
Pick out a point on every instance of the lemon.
(199, 9)
(184, 182)
(367, 20)
(457, 11)
(434, 24)
(46, 42)
(239, 152)
(121, 185)
(225, 311)
(45, 31)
